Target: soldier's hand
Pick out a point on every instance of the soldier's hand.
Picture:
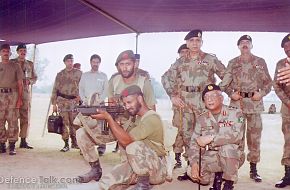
(54, 108)
(176, 101)
(195, 171)
(284, 75)
(19, 103)
(102, 115)
(202, 141)
(257, 96)
(236, 96)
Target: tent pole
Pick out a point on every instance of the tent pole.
(137, 35)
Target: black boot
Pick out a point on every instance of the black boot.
(228, 185)
(74, 143)
(285, 180)
(12, 148)
(101, 149)
(94, 174)
(66, 146)
(2, 148)
(142, 184)
(24, 144)
(178, 163)
(217, 183)
(254, 173)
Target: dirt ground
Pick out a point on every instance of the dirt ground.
(45, 167)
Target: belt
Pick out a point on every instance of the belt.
(247, 94)
(191, 88)
(5, 90)
(69, 97)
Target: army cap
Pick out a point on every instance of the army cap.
(5, 46)
(208, 88)
(128, 54)
(21, 46)
(131, 90)
(193, 33)
(68, 56)
(285, 40)
(183, 46)
(137, 56)
(244, 37)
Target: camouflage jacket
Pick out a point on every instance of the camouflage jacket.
(282, 91)
(247, 78)
(187, 73)
(228, 129)
(28, 70)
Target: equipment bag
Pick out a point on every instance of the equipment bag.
(54, 123)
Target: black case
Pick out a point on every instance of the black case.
(55, 124)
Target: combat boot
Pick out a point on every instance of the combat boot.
(2, 148)
(178, 163)
(74, 143)
(94, 174)
(142, 183)
(285, 180)
(12, 148)
(217, 183)
(254, 173)
(184, 176)
(116, 148)
(101, 149)
(66, 146)
(228, 185)
(24, 144)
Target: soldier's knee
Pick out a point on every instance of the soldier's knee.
(80, 133)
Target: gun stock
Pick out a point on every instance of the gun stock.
(91, 110)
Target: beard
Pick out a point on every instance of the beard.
(135, 110)
(127, 74)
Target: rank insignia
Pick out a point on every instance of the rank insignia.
(199, 34)
(241, 120)
(210, 87)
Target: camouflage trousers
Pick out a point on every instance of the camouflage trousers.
(253, 134)
(226, 160)
(188, 124)
(179, 141)
(24, 113)
(8, 113)
(286, 151)
(141, 160)
(69, 129)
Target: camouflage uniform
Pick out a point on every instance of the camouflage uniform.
(283, 92)
(67, 83)
(224, 153)
(25, 110)
(10, 74)
(186, 79)
(247, 78)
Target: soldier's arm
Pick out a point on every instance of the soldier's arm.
(226, 83)
(219, 68)
(105, 88)
(82, 86)
(54, 90)
(279, 89)
(193, 151)
(170, 81)
(267, 81)
(34, 75)
(149, 95)
(19, 86)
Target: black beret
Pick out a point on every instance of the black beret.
(21, 46)
(5, 46)
(131, 90)
(137, 56)
(208, 88)
(285, 40)
(193, 33)
(68, 56)
(244, 37)
(183, 46)
(128, 54)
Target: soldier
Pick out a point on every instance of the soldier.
(125, 64)
(143, 141)
(246, 82)
(272, 109)
(11, 89)
(65, 96)
(187, 78)
(30, 78)
(283, 92)
(179, 143)
(93, 88)
(219, 134)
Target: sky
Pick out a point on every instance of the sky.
(158, 50)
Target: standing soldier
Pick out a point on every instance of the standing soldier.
(11, 88)
(30, 78)
(187, 78)
(65, 96)
(283, 93)
(176, 120)
(246, 82)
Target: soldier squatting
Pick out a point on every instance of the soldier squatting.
(213, 134)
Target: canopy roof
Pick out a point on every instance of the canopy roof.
(41, 21)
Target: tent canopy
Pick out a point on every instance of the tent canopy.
(41, 21)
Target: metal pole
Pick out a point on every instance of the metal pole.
(137, 35)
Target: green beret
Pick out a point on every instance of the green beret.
(285, 40)
(68, 56)
(208, 88)
(21, 46)
(128, 54)
(131, 90)
(5, 46)
(193, 33)
(183, 46)
(244, 37)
